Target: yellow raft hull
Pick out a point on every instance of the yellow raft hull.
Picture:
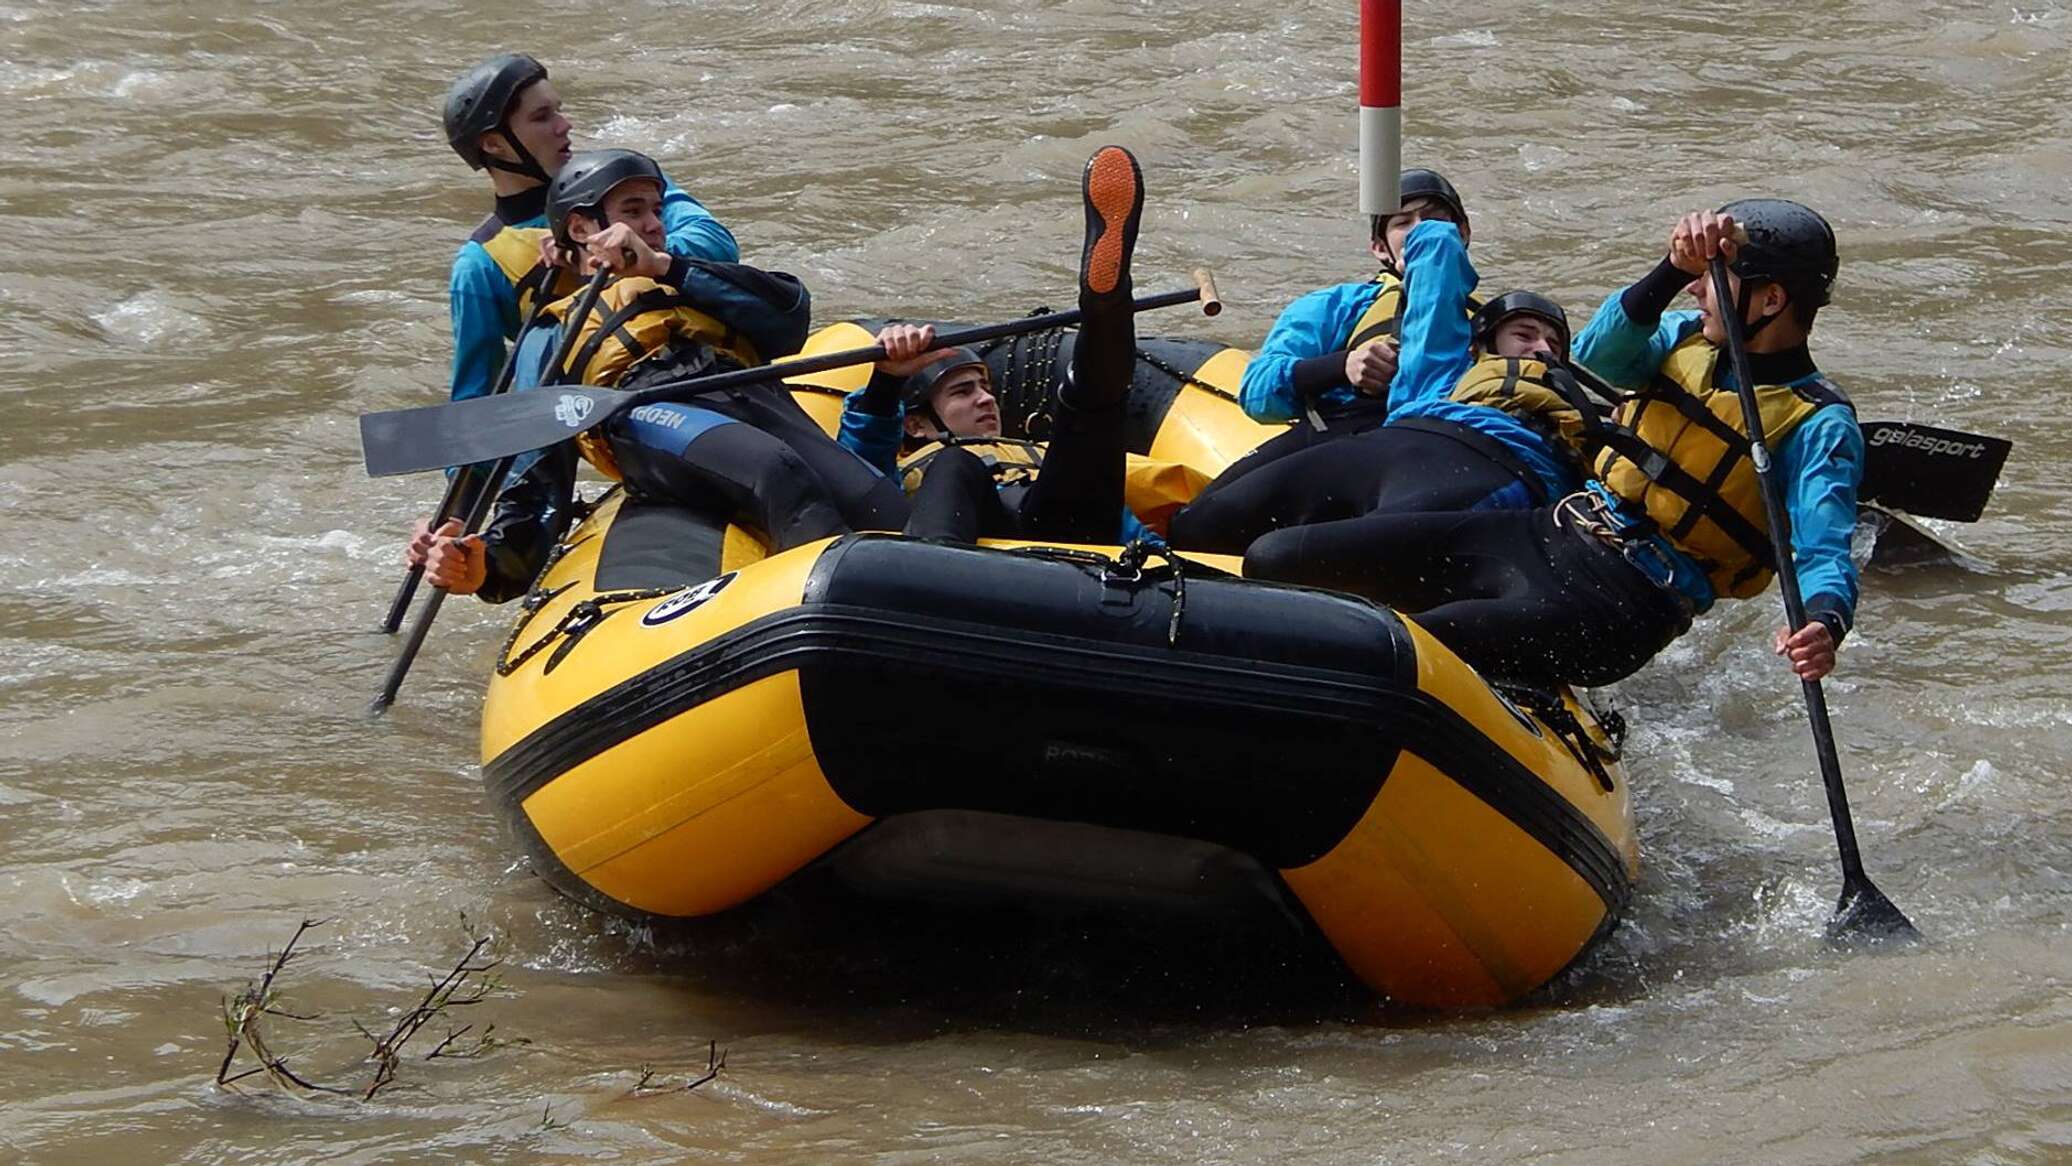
(673, 749)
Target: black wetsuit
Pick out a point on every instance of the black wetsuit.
(1342, 419)
(1422, 464)
(1513, 594)
(756, 454)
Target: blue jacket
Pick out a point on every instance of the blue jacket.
(878, 437)
(1315, 325)
(1820, 464)
(484, 305)
(1436, 338)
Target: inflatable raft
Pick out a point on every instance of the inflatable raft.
(679, 724)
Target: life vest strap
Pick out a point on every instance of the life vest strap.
(1701, 498)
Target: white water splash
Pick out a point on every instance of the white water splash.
(1474, 38)
(149, 317)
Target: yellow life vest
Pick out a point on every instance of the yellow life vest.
(1014, 462)
(1154, 490)
(1678, 451)
(1519, 386)
(516, 252)
(635, 318)
(1384, 317)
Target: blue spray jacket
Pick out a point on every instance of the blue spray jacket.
(1435, 354)
(1314, 326)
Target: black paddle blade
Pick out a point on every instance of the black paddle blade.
(412, 441)
(1935, 473)
(1865, 915)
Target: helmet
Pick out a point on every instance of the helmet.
(1492, 314)
(477, 103)
(1787, 244)
(923, 381)
(586, 179)
(1432, 184)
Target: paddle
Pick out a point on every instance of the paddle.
(1934, 473)
(408, 441)
(484, 501)
(1863, 911)
(459, 486)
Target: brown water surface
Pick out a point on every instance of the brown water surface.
(230, 224)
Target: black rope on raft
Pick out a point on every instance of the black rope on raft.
(1552, 712)
(1131, 567)
(574, 624)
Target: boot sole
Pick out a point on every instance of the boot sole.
(1111, 193)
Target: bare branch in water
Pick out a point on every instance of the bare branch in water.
(470, 980)
(715, 1062)
(241, 1023)
(467, 982)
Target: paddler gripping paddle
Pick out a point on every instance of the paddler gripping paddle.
(461, 488)
(409, 441)
(492, 485)
(1863, 911)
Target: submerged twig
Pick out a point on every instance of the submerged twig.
(715, 1062)
(469, 981)
(452, 990)
(243, 1014)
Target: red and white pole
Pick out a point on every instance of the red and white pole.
(1381, 106)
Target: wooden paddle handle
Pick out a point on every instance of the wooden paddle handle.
(1205, 282)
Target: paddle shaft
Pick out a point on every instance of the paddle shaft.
(1854, 879)
(459, 495)
(481, 430)
(965, 337)
(484, 500)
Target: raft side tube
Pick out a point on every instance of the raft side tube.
(1449, 847)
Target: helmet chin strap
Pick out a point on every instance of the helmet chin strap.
(526, 165)
(1747, 297)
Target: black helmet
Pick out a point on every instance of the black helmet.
(1432, 184)
(586, 179)
(918, 386)
(1519, 303)
(477, 104)
(1416, 184)
(1787, 244)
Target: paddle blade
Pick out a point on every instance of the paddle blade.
(1934, 473)
(483, 429)
(1865, 915)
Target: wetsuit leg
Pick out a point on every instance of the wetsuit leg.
(705, 460)
(1360, 415)
(866, 499)
(1078, 495)
(958, 500)
(1509, 592)
(1390, 469)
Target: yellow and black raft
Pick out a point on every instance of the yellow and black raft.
(679, 724)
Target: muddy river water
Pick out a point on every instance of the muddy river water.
(230, 224)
